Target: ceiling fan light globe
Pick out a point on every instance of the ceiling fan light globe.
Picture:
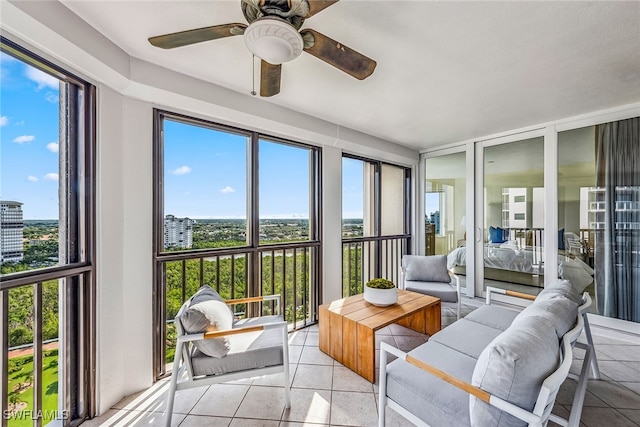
(273, 40)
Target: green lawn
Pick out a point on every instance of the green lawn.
(21, 372)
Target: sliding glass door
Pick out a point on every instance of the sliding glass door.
(510, 209)
(445, 212)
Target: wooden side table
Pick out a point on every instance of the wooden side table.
(347, 326)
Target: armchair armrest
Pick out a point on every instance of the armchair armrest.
(235, 331)
(276, 297)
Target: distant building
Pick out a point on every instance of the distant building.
(11, 231)
(435, 220)
(178, 232)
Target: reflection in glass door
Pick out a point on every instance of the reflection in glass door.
(445, 211)
(512, 239)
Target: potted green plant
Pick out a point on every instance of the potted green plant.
(380, 292)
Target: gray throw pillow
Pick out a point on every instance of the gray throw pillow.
(432, 268)
(207, 312)
(513, 367)
(560, 289)
(561, 312)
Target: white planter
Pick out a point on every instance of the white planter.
(380, 297)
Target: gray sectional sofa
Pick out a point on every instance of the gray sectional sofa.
(495, 367)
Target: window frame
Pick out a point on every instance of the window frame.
(253, 249)
(77, 275)
(380, 241)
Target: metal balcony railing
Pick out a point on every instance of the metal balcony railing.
(365, 258)
(290, 270)
(36, 346)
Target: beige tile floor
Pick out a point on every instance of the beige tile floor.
(325, 393)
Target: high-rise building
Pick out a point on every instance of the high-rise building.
(11, 231)
(178, 232)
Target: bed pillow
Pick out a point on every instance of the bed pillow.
(498, 235)
(208, 312)
(431, 268)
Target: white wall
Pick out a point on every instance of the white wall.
(128, 90)
(110, 242)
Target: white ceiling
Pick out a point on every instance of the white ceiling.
(447, 71)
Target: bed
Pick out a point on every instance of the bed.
(507, 263)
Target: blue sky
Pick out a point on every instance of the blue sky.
(205, 170)
(29, 138)
(206, 176)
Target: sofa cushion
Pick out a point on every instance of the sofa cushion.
(204, 312)
(431, 399)
(444, 291)
(467, 337)
(561, 312)
(431, 268)
(513, 367)
(560, 289)
(493, 316)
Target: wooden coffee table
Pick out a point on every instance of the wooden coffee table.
(347, 326)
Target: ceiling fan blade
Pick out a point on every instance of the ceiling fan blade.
(338, 55)
(269, 78)
(316, 6)
(183, 38)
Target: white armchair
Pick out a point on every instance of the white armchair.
(213, 348)
(429, 275)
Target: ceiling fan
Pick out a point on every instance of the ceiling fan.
(273, 35)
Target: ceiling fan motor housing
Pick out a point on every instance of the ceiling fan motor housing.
(273, 39)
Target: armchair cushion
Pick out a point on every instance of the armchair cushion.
(247, 351)
(431, 268)
(207, 312)
(444, 291)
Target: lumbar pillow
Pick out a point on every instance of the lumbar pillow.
(431, 268)
(208, 312)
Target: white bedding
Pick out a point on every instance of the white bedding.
(506, 258)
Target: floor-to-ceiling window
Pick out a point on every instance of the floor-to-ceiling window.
(375, 221)
(47, 297)
(237, 211)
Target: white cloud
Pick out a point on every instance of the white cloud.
(51, 97)
(41, 78)
(181, 170)
(51, 177)
(53, 147)
(24, 138)
(227, 190)
(32, 178)
(3, 120)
